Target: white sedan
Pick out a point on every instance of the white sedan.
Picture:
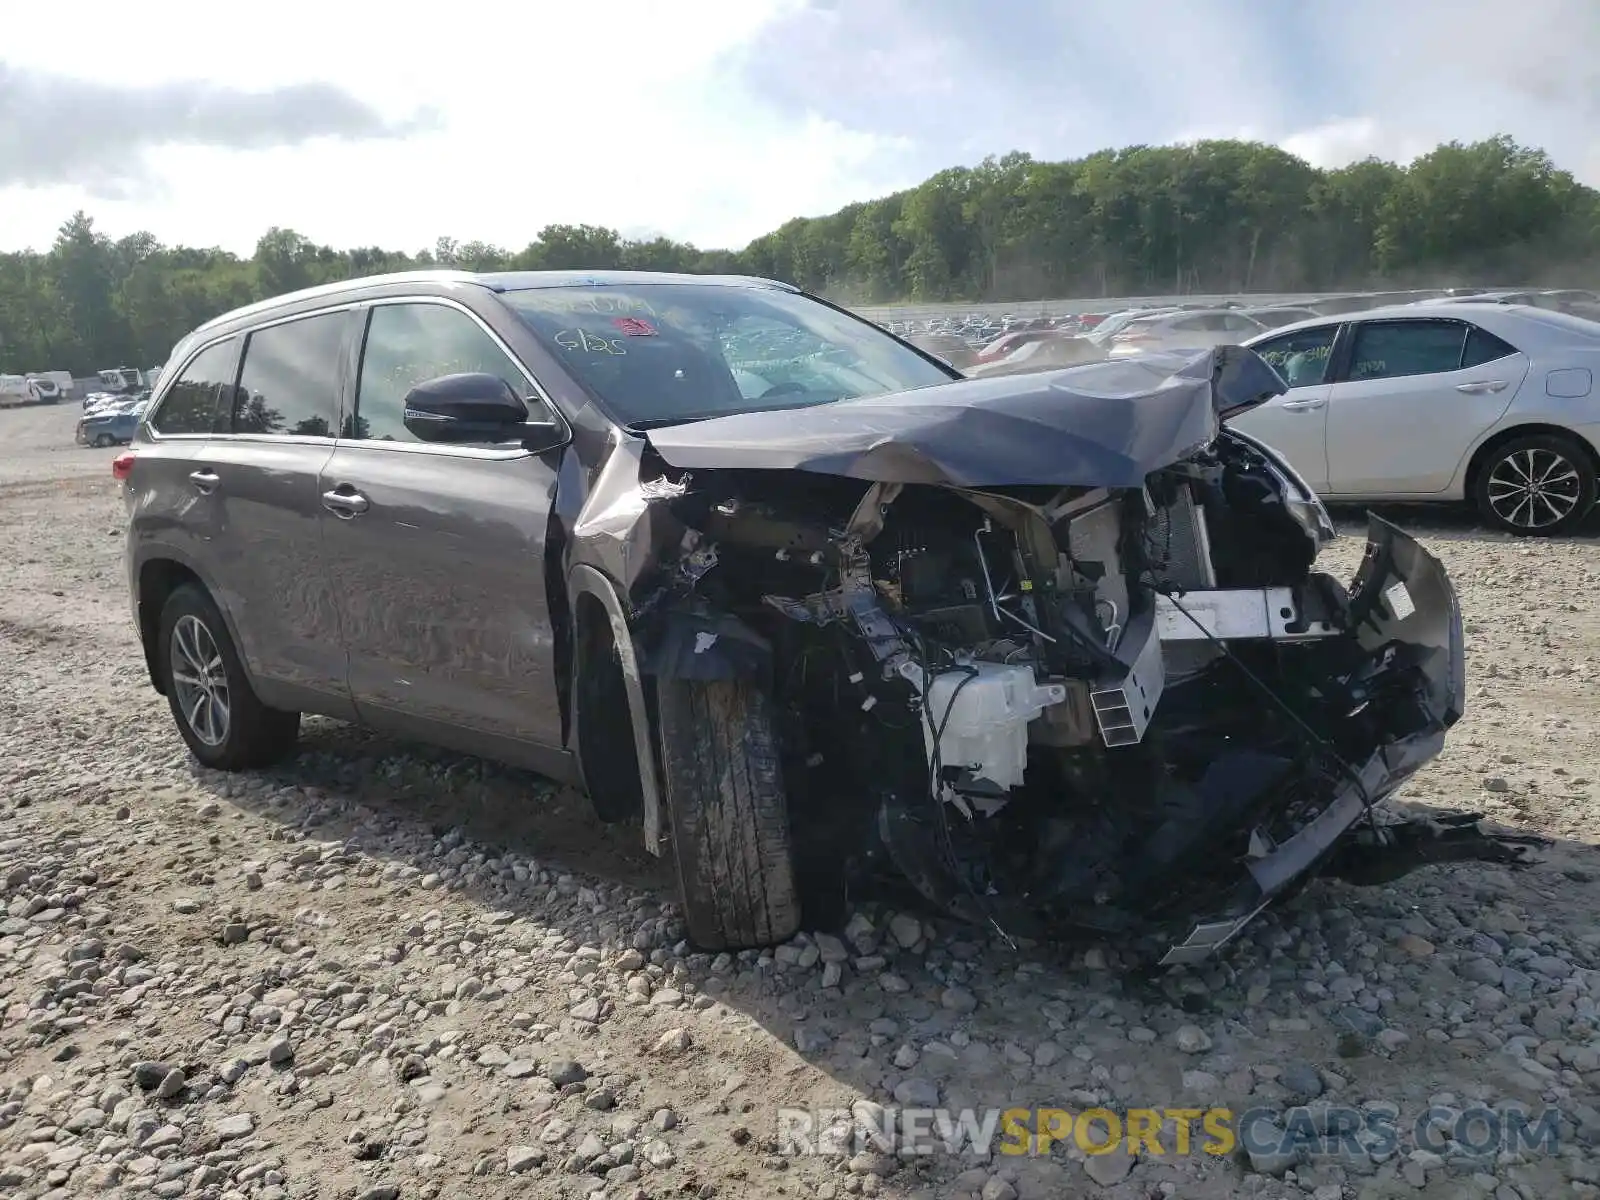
(1181, 329)
(1493, 404)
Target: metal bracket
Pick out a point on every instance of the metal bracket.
(1272, 613)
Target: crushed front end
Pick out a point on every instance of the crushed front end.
(1131, 706)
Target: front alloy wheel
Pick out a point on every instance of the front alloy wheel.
(1536, 485)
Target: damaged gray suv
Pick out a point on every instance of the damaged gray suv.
(794, 597)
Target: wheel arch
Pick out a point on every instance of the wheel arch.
(594, 601)
(160, 574)
(1493, 442)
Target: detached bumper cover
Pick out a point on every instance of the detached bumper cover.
(1402, 596)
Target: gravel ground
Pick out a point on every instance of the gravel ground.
(385, 971)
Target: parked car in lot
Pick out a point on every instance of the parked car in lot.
(1493, 404)
(1277, 315)
(792, 595)
(1114, 323)
(111, 426)
(1045, 354)
(953, 348)
(1183, 329)
(1008, 343)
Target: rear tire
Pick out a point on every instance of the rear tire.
(728, 813)
(1539, 485)
(218, 713)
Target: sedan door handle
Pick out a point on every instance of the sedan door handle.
(1479, 387)
(1302, 405)
(205, 480)
(345, 502)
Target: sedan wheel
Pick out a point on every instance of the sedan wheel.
(1537, 485)
(200, 680)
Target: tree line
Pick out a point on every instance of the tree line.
(1214, 216)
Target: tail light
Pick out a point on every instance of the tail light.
(122, 465)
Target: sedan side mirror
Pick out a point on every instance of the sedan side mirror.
(474, 406)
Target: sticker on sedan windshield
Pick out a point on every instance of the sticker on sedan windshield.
(635, 327)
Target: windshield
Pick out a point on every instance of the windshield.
(656, 353)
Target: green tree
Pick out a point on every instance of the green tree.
(1207, 217)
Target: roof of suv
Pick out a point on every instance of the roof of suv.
(497, 281)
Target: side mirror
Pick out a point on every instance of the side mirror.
(475, 407)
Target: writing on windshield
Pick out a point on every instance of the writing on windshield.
(659, 352)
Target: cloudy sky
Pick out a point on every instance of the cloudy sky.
(715, 120)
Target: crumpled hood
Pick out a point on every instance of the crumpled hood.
(1102, 424)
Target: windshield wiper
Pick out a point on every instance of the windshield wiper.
(756, 407)
(663, 422)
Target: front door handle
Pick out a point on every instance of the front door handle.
(1302, 405)
(344, 501)
(205, 480)
(1479, 387)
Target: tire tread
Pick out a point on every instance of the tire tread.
(728, 813)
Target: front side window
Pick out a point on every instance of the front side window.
(408, 344)
(1395, 349)
(1300, 357)
(190, 405)
(657, 353)
(289, 385)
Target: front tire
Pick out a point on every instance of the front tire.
(1538, 485)
(102, 440)
(728, 813)
(220, 717)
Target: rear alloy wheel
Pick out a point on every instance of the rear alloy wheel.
(218, 713)
(1537, 485)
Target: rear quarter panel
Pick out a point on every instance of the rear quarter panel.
(1534, 404)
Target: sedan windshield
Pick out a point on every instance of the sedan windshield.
(659, 353)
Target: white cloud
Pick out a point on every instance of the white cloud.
(1345, 140)
(628, 114)
(717, 120)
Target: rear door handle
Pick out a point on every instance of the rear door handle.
(1479, 387)
(344, 501)
(205, 479)
(1302, 405)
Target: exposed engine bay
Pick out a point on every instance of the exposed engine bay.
(1137, 710)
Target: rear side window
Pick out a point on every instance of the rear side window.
(408, 344)
(190, 405)
(289, 386)
(1395, 349)
(1484, 347)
